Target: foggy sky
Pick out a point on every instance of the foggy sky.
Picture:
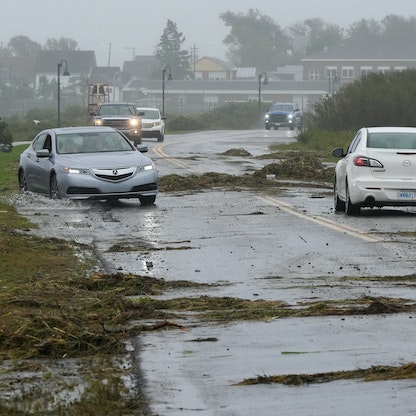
(138, 24)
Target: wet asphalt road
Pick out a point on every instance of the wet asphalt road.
(290, 247)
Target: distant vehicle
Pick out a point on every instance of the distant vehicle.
(122, 116)
(87, 163)
(378, 169)
(153, 124)
(283, 115)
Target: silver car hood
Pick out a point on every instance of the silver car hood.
(104, 160)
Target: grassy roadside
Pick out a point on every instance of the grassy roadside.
(49, 310)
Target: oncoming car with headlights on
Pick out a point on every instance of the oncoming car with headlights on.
(378, 169)
(121, 116)
(87, 163)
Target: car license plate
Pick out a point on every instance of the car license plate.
(406, 195)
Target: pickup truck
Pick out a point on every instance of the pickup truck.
(122, 116)
(283, 115)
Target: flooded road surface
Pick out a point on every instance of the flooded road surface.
(287, 247)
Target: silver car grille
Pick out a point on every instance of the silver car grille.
(114, 175)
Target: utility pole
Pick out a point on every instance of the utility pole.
(193, 53)
(109, 54)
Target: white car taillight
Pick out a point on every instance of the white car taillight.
(367, 162)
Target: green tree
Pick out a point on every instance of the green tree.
(23, 47)
(61, 44)
(321, 35)
(45, 88)
(390, 27)
(6, 136)
(313, 35)
(394, 26)
(255, 40)
(169, 52)
(364, 28)
(363, 103)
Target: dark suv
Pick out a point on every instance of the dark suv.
(283, 115)
(121, 116)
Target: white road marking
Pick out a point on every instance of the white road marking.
(284, 206)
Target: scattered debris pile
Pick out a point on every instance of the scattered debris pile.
(298, 167)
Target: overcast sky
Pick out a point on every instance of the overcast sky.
(138, 24)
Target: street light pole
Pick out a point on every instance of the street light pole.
(66, 73)
(263, 75)
(166, 68)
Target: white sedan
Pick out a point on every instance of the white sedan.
(378, 169)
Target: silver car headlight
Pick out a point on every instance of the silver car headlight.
(74, 171)
(98, 122)
(151, 166)
(290, 116)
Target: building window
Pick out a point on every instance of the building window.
(347, 72)
(365, 70)
(211, 101)
(383, 69)
(198, 75)
(217, 76)
(313, 75)
(330, 72)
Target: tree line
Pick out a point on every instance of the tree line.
(254, 40)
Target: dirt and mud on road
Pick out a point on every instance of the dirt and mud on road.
(287, 290)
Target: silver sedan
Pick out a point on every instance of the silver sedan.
(87, 163)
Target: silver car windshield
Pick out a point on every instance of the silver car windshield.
(393, 140)
(91, 142)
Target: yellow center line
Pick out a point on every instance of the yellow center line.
(158, 150)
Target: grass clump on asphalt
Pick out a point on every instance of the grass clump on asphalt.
(374, 373)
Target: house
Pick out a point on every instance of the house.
(16, 83)
(143, 67)
(212, 69)
(79, 64)
(355, 57)
(17, 72)
(195, 96)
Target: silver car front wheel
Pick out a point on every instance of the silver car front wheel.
(54, 188)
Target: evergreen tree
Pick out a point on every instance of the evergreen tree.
(170, 53)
